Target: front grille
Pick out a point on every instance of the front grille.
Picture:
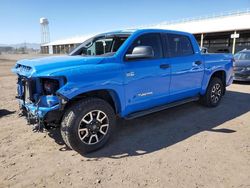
(23, 68)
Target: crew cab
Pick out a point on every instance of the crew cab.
(125, 74)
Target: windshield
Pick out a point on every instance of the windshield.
(242, 56)
(103, 45)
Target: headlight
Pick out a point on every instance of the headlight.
(50, 86)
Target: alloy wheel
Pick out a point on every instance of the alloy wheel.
(216, 93)
(93, 127)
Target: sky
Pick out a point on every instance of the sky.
(69, 18)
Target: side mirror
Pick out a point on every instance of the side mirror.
(204, 50)
(141, 52)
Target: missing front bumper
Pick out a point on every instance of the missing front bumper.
(36, 114)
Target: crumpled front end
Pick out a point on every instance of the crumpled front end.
(37, 96)
(40, 83)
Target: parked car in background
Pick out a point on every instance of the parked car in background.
(124, 74)
(241, 66)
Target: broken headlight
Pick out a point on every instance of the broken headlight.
(50, 86)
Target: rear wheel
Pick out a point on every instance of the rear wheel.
(88, 125)
(214, 93)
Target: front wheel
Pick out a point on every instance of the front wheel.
(88, 125)
(214, 93)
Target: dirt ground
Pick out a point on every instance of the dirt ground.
(186, 146)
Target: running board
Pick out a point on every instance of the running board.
(160, 108)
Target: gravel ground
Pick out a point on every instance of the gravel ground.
(186, 146)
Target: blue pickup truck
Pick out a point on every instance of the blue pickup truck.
(124, 74)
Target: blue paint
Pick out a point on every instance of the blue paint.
(133, 85)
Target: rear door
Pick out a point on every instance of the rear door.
(187, 68)
(146, 80)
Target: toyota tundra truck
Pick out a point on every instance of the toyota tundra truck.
(121, 74)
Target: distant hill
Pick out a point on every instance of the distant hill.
(34, 46)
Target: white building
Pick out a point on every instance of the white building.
(227, 32)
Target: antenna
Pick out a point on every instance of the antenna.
(45, 36)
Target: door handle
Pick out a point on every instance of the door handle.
(198, 62)
(164, 66)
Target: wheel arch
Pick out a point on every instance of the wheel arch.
(221, 74)
(108, 95)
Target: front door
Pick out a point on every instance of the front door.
(147, 80)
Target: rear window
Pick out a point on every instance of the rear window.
(179, 45)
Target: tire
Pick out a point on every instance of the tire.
(88, 125)
(214, 93)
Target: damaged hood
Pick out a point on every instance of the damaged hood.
(48, 65)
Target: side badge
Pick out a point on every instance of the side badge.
(145, 94)
(130, 74)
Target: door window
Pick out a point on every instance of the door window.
(178, 45)
(152, 39)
